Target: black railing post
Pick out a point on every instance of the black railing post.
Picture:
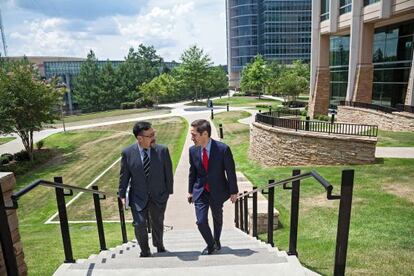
(246, 213)
(241, 214)
(228, 107)
(254, 224)
(332, 118)
(6, 240)
(270, 208)
(236, 213)
(294, 215)
(344, 219)
(98, 215)
(270, 110)
(122, 220)
(212, 115)
(307, 123)
(260, 111)
(221, 131)
(64, 225)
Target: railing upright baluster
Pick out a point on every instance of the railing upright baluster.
(99, 222)
(294, 215)
(270, 213)
(241, 214)
(254, 234)
(344, 219)
(64, 225)
(246, 213)
(122, 220)
(236, 213)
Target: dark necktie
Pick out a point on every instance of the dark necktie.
(205, 165)
(146, 164)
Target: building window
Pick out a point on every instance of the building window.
(392, 57)
(324, 10)
(369, 2)
(345, 6)
(338, 67)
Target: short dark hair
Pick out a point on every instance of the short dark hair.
(140, 127)
(202, 125)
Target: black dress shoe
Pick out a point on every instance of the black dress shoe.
(209, 250)
(145, 254)
(218, 245)
(161, 249)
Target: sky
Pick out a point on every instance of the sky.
(111, 27)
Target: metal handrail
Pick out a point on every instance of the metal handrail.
(328, 187)
(317, 126)
(16, 196)
(243, 218)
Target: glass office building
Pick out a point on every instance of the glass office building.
(277, 29)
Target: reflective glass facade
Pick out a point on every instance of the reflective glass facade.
(391, 57)
(338, 67)
(277, 29)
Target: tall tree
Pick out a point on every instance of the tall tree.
(86, 85)
(194, 69)
(217, 81)
(140, 66)
(26, 102)
(108, 87)
(255, 76)
(294, 81)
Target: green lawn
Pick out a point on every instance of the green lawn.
(98, 116)
(395, 139)
(82, 155)
(4, 140)
(241, 101)
(381, 232)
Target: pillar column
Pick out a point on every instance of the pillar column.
(409, 96)
(319, 102)
(364, 70)
(355, 47)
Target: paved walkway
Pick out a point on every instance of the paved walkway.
(180, 214)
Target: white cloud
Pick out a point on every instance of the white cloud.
(170, 25)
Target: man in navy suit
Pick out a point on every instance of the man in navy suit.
(147, 168)
(212, 180)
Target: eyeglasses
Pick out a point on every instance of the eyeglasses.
(148, 136)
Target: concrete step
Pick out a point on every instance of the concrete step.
(240, 255)
(280, 269)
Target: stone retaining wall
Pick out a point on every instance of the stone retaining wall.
(8, 182)
(274, 146)
(397, 121)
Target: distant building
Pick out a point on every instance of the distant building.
(277, 29)
(362, 51)
(67, 68)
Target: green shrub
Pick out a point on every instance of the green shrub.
(322, 117)
(21, 156)
(4, 160)
(143, 102)
(9, 156)
(40, 144)
(128, 105)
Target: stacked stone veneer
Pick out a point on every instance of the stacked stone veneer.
(7, 182)
(274, 146)
(262, 207)
(396, 121)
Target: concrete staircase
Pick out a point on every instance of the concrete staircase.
(240, 255)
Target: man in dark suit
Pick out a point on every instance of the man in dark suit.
(212, 180)
(147, 168)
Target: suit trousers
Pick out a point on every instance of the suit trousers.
(156, 217)
(202, 204)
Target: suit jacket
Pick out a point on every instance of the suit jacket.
(221, 174)
(160, 181)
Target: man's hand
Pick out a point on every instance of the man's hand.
(233, 198)
(190, 198)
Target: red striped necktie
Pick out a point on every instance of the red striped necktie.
(205, 165)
